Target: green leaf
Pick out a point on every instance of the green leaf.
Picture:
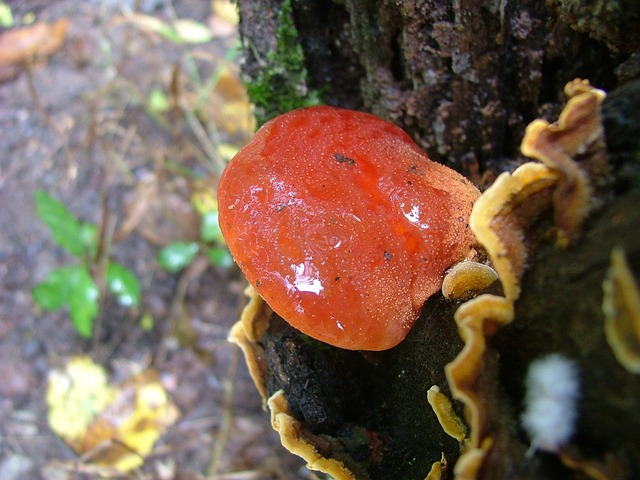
(210, 228)
(158, 101)
(146, 322)
(177, 255)
(28, 18)
(53, 293)
(190, 31)
(123, 284)
(220, 257)
(6, 16)
(156, 25)
(89, 236)
(83, 301)
(73, 286)
(67, 231)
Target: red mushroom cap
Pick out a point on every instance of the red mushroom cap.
(343, 225)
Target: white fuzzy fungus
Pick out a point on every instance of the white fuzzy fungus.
(551, 410)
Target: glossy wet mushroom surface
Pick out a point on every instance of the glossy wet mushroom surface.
(343, 225)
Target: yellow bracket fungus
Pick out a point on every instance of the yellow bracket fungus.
(438, 470)
(297, 440)
(247, 332)
(501, 214)
(465, 279)
(621, 307)
(573, 166)
(574, 148)
(450, 422)
(573, 160)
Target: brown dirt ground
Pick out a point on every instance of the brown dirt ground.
(72, 125)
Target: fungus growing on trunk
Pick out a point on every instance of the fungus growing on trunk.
(343, 225)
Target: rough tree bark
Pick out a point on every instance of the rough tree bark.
(464, 79)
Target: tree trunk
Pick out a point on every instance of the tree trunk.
(464, 79)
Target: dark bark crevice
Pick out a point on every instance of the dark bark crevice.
(463, 78)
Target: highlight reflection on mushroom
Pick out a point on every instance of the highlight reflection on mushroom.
(326, 206)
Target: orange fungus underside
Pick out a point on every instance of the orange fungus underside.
(343, 225)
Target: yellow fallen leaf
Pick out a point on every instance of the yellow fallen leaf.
(227, 106)
(131, 418)
(150, 23)
(204, 199)
(190, 31)
(226, 10)
(231, 110)
(133, 422)
(75, 395)
(227, 151)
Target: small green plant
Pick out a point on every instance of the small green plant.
(74, 285)
(178, 255)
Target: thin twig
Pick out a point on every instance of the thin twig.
(203, 138)
(193, 271)
(227, 417)
(107, 229)
(37, 102)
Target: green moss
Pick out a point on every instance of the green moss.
(282, 84)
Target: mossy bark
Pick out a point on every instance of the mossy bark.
(463, 78)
